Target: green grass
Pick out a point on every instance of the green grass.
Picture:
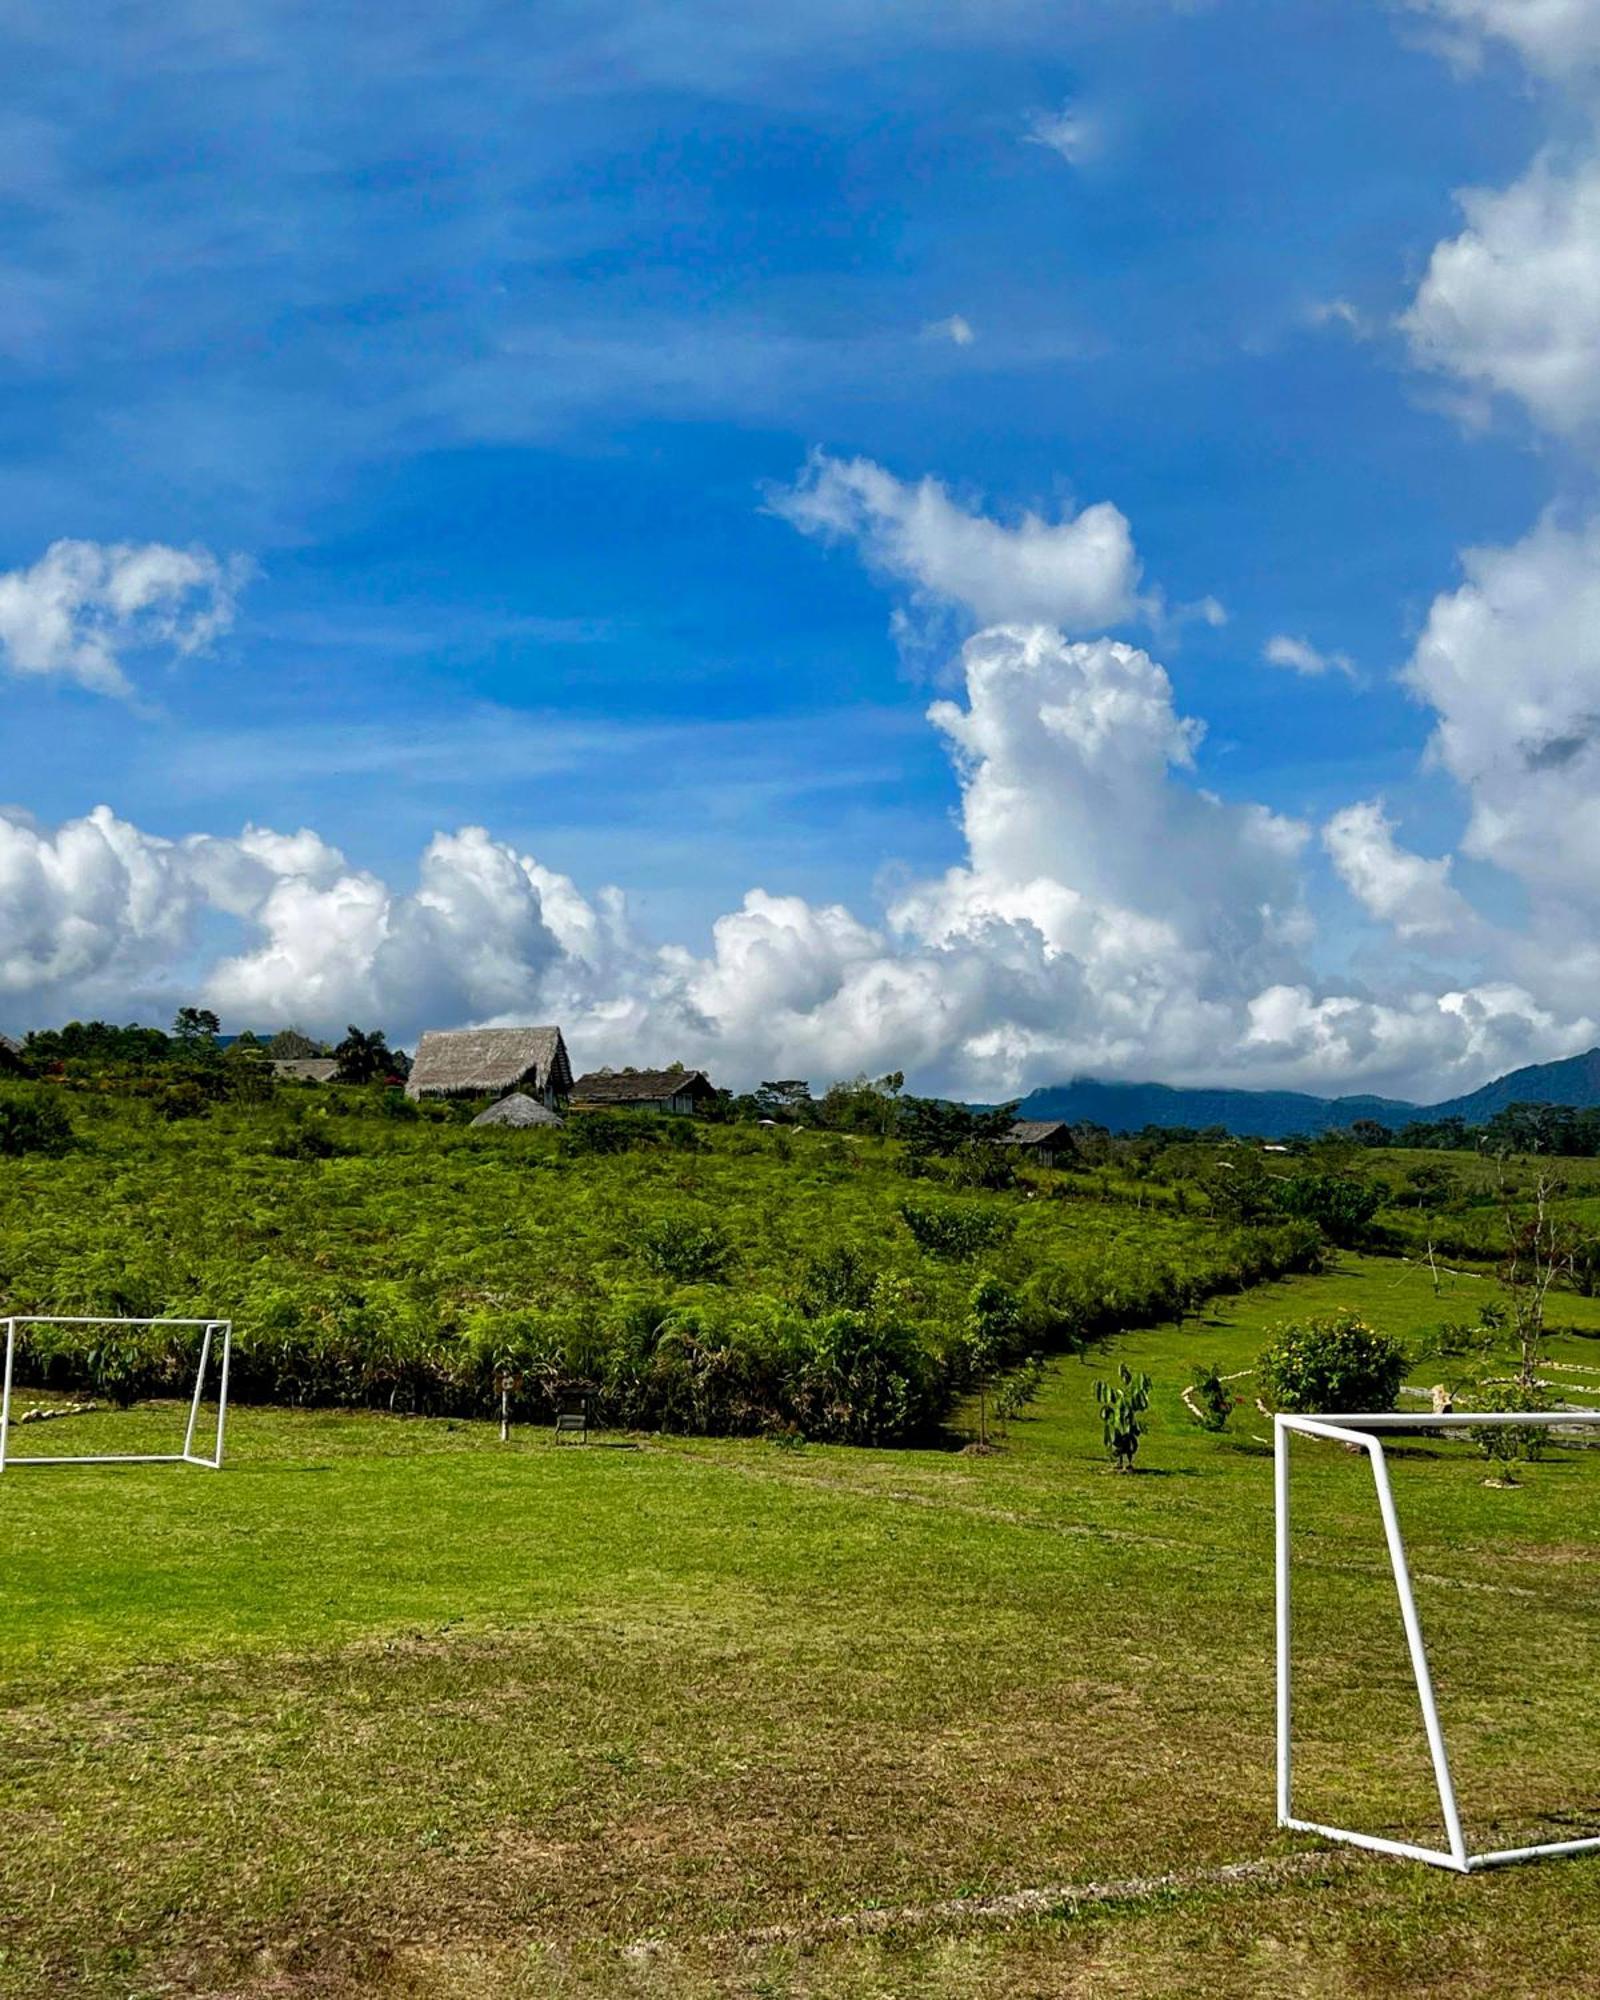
(386, 1708)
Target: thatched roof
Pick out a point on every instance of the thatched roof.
(478, 1062)
(640, 1086)
(519, 1110)
(1038, 1132)
(10, 1053)
(306, 1069)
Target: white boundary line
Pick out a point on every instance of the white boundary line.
(188, 1456)
(1360, 1431)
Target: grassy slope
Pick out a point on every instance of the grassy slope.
(388, 1708)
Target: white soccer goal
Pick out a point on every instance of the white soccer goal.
(216, 1341)
(1360, 1431)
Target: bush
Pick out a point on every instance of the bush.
(676, 1246)
(1211, 1397)
(305, 1142)
(1504, 1444)
(1334, 1364)
(36, 1125)
(956, 1232)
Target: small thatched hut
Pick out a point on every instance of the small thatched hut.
(305, 1069)
(686, 1091)
(10, 1056)
(518, 1110)
(483, 1062)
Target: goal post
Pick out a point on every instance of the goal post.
(216, 1345)
(1361, 1432)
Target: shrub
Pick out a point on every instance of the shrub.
(1504, 1444)
(1332, 1364)
(1211, 1401)
(676, 1246)
(33, 1125)
(956, 1232)
(1123, 1403)
(305, 1142)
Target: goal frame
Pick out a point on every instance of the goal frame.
(188, 1456)
(1361, 1432)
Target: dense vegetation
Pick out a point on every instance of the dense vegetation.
(731, 1279)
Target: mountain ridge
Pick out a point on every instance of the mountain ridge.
(1281, 1114)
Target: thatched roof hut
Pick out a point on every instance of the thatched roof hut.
(687, 1091)
(518, 1110)
(306, 1069)
(484, 1062)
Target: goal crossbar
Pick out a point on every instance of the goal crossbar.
(213, 1332)
(1361, 1433)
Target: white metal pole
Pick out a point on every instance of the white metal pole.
(1419, 1655)
(199, 1386)
(5, 1393)
(222, 1391)
(1280, 1456)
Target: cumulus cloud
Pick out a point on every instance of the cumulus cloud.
(1511, 306)
(1301, 657)
(84, 606)
(1555, 37)
(1412, 894)
(1510, 663)
(1079, 572)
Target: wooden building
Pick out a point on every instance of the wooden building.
(492, 1062)
(1047, 1142)
(687, 1092)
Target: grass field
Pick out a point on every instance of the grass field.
(386, 1708)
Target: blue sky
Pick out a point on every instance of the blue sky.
(491, 340)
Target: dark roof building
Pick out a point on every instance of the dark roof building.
(686, 1091)
(1046, 1141)
(492, 1062)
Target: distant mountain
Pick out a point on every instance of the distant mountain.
(1278, 1114)
(1575, 1081)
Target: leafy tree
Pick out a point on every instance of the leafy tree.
(194, 1025)
(1123, 1403)
(990, 1331)
(1332, 1363)
(364, 1058)
(1341, 1205)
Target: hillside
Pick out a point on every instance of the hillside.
(1278, 1114)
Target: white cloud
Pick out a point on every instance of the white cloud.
(1075, 133)
(1555, 37)
(1079, 572)
(1511, 306)
(1413, 895)
(1301, 657)
(955, 329)
(1510, 662)
(83, 606)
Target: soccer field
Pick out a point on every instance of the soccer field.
(388, 1708)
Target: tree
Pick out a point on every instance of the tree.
(1538, 1252)
(991, 1329)
(196, 1024)
(363, 1058)
(1123, 1403)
